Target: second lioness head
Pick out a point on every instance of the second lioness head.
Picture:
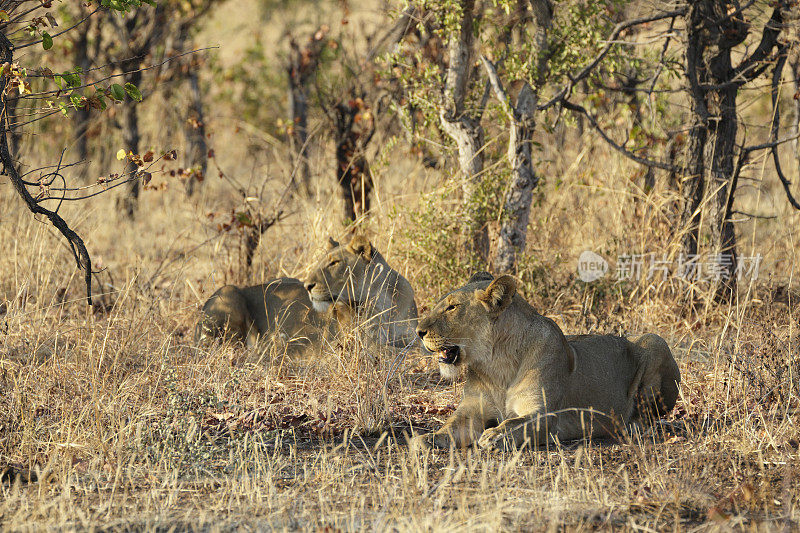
(459, 328)
(341, 273)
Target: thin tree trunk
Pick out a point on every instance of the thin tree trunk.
(692, 187)
(14, 138)
(712, 33)
(298, 111)
(517, 207)
(196, 136)
(130, 139)
(465, 130)
(303, 63)
(719, 158)
(355, 183)
(80, 119)
(795, 68)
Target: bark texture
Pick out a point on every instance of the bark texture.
(130, 139)
(714, 28)
(303, 63)
(513, 232)
(355, 127)
(195, 129)
(463, 128)
(82, 115)
(517, 206)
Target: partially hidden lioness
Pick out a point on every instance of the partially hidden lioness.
(247, 314)
(357, 275)
(527, 382)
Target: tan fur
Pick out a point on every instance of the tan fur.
(357, 275)
(527, 382)
(249, 314)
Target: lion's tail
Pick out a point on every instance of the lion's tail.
(668, 375)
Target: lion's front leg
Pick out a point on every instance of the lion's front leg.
(516, 432)
(462, 429)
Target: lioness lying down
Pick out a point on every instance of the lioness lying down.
(247, 314)
(356, 275)
(527, 382)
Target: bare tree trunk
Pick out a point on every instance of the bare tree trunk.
(693, 187)
(80, 120)
(517, 207)
(719, 153)
(130, 139)
(197, 153)
(355, 128)
(298, 111)
(355, 183)
(14, 138)
(712, 33)
(795, 70)
(465, 130)
(302, 66)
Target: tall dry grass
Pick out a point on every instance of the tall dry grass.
(112, 418)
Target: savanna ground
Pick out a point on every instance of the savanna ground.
(111, 418)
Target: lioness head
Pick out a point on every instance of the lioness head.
(459, 328)
(342, 274)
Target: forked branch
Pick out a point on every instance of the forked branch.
(9, 169)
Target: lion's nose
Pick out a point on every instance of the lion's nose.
(310, 286)
(421, 333)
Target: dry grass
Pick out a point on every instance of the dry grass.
(113, 419)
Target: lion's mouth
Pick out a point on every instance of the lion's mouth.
(449, 355)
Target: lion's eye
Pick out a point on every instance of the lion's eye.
(450, 308)
(333, 263)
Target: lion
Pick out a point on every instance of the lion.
(528, 383)
(250, 314)
(357, 275)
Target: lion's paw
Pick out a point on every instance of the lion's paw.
(421, 442)
(491, 438)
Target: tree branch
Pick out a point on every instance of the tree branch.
(76, 243)
(610, 42)
(777, 74)
(627, 153)
(747, 69)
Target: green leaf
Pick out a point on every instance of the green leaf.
(133, 92)
(117, 92)
(72, 79)
(47, 41)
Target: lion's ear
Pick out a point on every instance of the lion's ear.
(332, 244)
(481, 275)
(498, 294)
(360, 245)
